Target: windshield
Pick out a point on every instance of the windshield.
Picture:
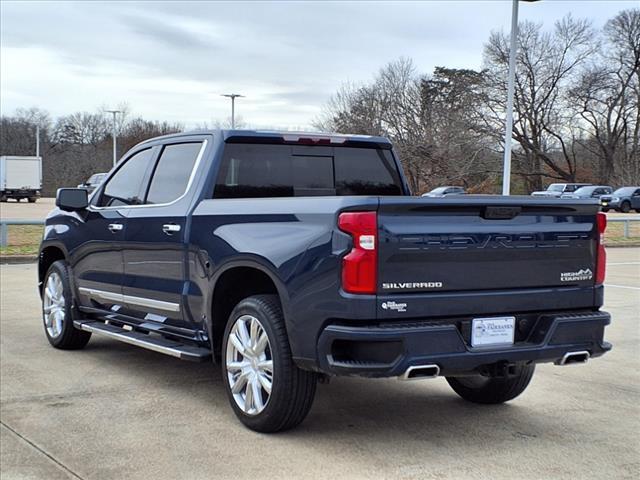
(556, 187)
(584, 190)
(96, 178)
(624, 191)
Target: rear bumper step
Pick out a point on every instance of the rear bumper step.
(157, 344)
(429, 349)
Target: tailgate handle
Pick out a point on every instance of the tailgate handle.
(501, 213)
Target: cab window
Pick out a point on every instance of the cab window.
(171, 175)
(127, 186)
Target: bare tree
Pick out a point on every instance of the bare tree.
(546, 63)
(606, 97)
(430, 120)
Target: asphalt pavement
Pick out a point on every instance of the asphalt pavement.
(114, 411)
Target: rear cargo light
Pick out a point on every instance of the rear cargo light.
(313, 140)
(359, 267)
(601, 256)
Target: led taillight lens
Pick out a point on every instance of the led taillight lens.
(359, 267)
(601, 256)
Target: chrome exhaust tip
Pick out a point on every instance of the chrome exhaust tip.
(571, 358)
(420, 372)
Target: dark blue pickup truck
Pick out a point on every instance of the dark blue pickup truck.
(288, 258)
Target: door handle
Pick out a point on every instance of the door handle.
(115, 227)
(170, 228)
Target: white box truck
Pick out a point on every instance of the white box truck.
(20, 177)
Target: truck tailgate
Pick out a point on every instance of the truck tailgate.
(476, 243)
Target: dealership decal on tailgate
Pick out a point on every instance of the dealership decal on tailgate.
(492, 331)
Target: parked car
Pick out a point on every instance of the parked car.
(444, 191)
(591, 191)
(289, 258)
(623, 199)
(557, 189)
(93, 182)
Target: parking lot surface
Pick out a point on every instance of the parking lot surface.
(114, 411)
(27, 211)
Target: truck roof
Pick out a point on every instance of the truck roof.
(287, 137)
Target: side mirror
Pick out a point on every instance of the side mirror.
(72, 199)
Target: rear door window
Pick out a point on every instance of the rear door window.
(173, 170)
(254, 171)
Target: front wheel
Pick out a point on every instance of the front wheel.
(625, 207)
(491, 390)
(57, 310)
(32, 199)
(267, 391)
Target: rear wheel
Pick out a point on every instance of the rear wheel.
(58, 310)
(32, 199)
(625, 207)
(267, 391)
(491, 390)
(3, 198)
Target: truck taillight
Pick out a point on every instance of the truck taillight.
(601, 256)
(359, 267)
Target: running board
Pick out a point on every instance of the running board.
(139, 339)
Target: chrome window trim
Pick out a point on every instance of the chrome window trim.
(189, 183)
(130, 299)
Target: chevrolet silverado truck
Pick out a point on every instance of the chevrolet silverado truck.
(290, 258)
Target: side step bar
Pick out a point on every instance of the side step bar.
(157, 344)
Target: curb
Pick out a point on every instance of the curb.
(18, 259)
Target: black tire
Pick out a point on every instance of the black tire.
(32, 199)
(3, 198)
(69, 337)
(292, 389)
(492, 390)
(605, 210)
(625, 207)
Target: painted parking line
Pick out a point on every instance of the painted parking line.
(621, 286)
(622, 263)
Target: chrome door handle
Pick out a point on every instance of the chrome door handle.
(170, 228)
(115, 227)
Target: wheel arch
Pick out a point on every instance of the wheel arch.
(234, 282)
(49, 253)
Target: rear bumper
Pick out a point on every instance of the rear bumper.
(389, 350)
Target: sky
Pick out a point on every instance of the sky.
(172, 60)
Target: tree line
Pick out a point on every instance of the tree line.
(73, 147)
(577, 91)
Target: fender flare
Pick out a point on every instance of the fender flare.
(248, 261)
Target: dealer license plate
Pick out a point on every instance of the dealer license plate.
(492, 331)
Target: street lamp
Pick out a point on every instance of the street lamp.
(233, 97)
(506, 171)
(114, 112)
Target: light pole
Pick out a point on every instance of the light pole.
(114, 112)
(506, 171)
(37, 140)
(233, 97)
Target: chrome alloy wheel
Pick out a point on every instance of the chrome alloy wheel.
(249, 364)
(54, 305)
